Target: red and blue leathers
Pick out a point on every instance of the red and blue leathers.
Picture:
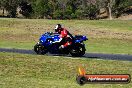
(64, 34)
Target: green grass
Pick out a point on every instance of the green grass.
(104, 36)
(17, 45)
(110, 25)
(35, 71)
(29, 71)
(113, 24)
(114, 46)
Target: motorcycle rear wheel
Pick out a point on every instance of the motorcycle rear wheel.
(78, 51)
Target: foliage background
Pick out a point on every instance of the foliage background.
(65, 9)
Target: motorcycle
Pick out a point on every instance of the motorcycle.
(49, 42)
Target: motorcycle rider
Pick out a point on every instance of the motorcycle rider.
(65, 36)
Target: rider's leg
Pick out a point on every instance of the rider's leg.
(66, 44)
(67, 41)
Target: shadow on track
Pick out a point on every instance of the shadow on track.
(87, 55)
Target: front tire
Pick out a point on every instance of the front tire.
(40, 49)
(78, 50)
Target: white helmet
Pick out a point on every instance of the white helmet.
(58, 27)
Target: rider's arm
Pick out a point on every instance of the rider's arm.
(64, 33)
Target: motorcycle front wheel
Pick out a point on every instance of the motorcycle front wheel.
(40, 49)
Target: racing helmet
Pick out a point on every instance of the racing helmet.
(58, 28)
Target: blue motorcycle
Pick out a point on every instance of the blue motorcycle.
(49, 43)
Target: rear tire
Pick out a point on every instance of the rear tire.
(40, 49)
(78, 50)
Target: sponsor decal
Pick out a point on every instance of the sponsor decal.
(84, 78)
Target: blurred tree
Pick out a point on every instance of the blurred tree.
(109, 8)
(11, 7)
(65, 9)
(26, 9)
(40, 8)
(79, 13)
(3, 6)
(58, 14)
(88, 9)
(120, 6)
(68, 12)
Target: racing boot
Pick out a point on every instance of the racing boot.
(61, 47)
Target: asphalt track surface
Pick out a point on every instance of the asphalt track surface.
(87, 55)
